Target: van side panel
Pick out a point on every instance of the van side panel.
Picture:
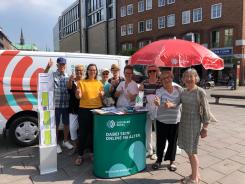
(19, 74)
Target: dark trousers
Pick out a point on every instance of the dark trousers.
(166, 132)
(85, 120)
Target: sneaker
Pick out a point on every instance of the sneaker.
(153, 156)
(59, 150)
(67, 145)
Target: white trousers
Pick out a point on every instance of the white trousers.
(148, 133)
(73, 125)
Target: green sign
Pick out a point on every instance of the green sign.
(119, 144)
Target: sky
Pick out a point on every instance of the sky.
(36, 18)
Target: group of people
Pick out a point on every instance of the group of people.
(179, 115)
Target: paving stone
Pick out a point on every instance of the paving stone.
(223, 153)
(209, 175)
(56, 177)
(226, 167)
(236, 147)
(207, 160)
(242, 169)
(234, 178)
(238, 159)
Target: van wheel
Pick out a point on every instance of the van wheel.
(24, 131)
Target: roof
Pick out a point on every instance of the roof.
(30, 47)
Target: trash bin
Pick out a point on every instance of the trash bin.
(119, 144)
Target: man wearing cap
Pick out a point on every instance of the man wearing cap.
(115, 80)
(61, 100)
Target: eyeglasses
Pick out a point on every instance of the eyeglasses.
(78, 70)
(151, 71)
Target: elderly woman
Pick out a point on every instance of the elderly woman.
(90, 92)
(168, 118)
(149, 86)
(127, 90)
(195, 117)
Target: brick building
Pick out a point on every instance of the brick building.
(216, 24)
(5, 43)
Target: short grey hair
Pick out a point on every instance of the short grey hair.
(193, 72)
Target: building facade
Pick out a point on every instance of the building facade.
(69, 29)
(89, 26)
(5, 43)
(218, 25)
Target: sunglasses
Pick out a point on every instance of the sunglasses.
(105, 74)
(151, 71)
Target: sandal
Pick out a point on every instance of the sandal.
(156, 165)
(79, 160)
(185, 180)
(172, 167)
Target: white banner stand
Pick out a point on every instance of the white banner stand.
(47, 126)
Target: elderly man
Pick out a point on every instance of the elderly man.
(61, 100)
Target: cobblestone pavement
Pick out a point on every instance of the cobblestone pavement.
(222, 156)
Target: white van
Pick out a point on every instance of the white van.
(18, 87)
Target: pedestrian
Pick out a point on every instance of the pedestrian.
(74, 104)
(115, 80)
(168, 118)
(195, 117)
(149, 86)
(107, 100)
(90, 92)
(127, 90)
(61, 100)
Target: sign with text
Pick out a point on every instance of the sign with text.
(119, 144)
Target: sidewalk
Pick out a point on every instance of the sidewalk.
(221, 154)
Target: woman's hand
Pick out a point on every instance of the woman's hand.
(167, 104)
(157, 101)
(204, 132)
(78, 93)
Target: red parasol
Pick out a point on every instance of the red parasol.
(176, 53)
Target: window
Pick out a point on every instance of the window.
(130, 45)
(148, 4)
(186, 16)
(124, 46)
(161, 22)
(161, 3)
(170, 1)
(194, 37)
(123, 11)
(148, 25)
(123, 30)
(197, 15)
(141, 44)
(141, 26)
(130, 9)
(215, 39)
(171, 20)
(141, 6)
(144, 43)
(110, 12)
(130, 29)
(216, 10)
(228, 40)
